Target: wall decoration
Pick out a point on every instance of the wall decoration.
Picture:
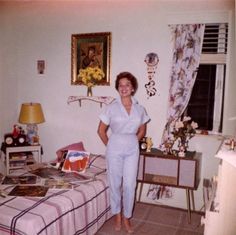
(90, 50)
(152, 61)
(41, 66)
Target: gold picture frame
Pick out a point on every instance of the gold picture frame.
(90, 50)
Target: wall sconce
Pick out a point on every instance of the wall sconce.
(31, 114)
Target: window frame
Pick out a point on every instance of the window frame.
(218, 58)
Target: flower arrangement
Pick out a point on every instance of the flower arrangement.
(183, 130)
(91, 75)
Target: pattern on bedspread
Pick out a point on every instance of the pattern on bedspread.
(82, 210)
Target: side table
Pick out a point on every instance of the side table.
(158, 168)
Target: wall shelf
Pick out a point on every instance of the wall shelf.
(98, 99)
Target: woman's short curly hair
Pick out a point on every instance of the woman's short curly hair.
(130, 77)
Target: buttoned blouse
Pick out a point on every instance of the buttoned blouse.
(120, 122)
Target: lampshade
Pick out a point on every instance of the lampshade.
(31, 113)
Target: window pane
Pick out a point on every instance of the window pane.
(201, 104)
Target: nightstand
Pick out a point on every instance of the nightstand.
(18, 157)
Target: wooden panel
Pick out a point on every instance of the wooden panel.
(161, 166)
(161, 179)
(187, 169)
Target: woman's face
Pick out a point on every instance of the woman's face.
(125, 87)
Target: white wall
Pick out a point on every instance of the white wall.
(35, 30)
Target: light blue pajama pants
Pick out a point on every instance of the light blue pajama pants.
(122, 159)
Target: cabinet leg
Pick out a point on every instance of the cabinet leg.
(188, 205)
(140, 192)
(193, 202)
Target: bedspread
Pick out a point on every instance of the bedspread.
(82, 210)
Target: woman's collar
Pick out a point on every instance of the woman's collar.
(134, 101)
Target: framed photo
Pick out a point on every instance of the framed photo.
(90, 50)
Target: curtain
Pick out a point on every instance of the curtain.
(186, 57)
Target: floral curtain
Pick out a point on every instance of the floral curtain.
(186, 57)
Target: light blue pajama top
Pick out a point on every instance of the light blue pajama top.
(120, 122)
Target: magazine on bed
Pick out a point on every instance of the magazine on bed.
(76, 161)
(47, 172)
(29, 190)
(58, 184)
(69, 177)
(23, 179)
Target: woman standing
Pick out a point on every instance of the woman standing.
(127, 121)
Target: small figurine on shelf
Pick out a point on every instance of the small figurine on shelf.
(16, 131)
(232, 144)
(181, 151)
(168, 145)
(149, 144)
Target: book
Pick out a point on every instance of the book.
(18, 156)
(76, 161)
(23, 179)
(17, 163)
(29, 190)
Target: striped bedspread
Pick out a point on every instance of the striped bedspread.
(82, 210)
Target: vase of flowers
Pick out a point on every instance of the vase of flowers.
(183, 130)
(89, 91)
(90, 77)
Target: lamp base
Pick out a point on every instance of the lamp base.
(32, 134)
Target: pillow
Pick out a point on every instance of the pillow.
(76, 146)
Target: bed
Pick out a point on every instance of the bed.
(82, 210)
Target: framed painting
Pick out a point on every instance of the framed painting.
(90, 50)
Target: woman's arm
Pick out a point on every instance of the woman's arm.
(141, 131)
(102, 132)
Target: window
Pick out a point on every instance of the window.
(206, 101)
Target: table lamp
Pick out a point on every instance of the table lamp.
(31, 114)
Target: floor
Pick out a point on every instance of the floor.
(158, 220)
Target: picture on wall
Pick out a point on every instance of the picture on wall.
(92, 50)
